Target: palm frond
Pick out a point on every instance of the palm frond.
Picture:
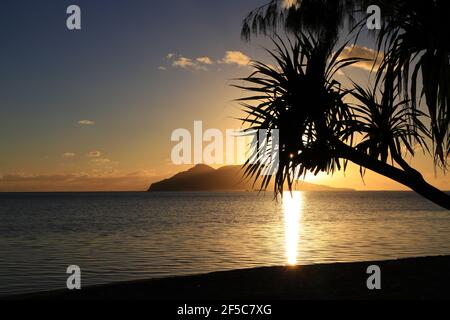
(389, 128)
(300, 98)
(417, 44)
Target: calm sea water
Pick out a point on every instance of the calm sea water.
(124, 236)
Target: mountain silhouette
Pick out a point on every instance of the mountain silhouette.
(229, 178)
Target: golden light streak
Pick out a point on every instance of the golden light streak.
(292, 207)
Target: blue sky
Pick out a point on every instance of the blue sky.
(109, 73)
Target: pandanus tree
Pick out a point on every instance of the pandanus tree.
(320, 130)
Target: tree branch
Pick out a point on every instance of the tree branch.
(410, 177)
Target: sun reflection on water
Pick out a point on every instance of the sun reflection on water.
(292, 207)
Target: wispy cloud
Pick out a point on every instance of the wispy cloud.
(179, 61)
(373, 60)
(236, 58)
(101, 160)
(86, 122)
(68, 155)
(96, 158)
(94, 154)
(187, 63)
(95, 181)
(205, 60)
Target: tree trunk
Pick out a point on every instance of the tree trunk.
(412, 180)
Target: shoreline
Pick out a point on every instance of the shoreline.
(408, 278)
(204, 191)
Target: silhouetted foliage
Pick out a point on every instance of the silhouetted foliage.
(416, 37)
(300, 96)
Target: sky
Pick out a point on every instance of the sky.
(94, 109)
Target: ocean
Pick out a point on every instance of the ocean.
(126, 236)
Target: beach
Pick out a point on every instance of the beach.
(411, 278)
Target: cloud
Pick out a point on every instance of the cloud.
(365, 53)
(94, 154)
(86, 122)
(21, 177)
(68, 155)
(205, 60)
(187, 63)
(101, 160)
(202, 63)
(183, 62)
(236, 58)
(114, 181)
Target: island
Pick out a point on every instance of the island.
(228, 178)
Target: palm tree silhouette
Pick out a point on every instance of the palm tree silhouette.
(318, 128)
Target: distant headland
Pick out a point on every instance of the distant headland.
(229, 178)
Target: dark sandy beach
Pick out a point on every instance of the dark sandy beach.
(413, 278)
